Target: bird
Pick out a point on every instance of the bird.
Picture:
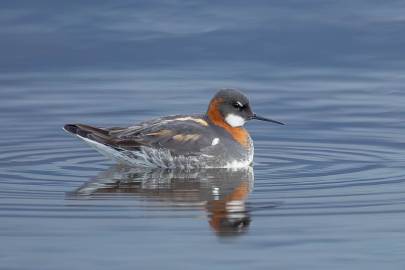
(216, 139)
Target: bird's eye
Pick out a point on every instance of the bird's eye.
(238, 105)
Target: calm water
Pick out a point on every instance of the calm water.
(327, 190)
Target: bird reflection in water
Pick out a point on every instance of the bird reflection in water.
(221, 192)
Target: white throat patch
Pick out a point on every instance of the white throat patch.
(234, 120)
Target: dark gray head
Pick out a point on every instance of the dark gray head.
(232, 107)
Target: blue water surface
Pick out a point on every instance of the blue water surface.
(327, 190)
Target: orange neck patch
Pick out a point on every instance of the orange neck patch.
(239, 134)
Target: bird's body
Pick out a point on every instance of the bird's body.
(215, 139)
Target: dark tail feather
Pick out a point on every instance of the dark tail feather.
(89, 132)
(102, 136)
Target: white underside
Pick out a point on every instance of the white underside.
(238, 164)
(161, 158)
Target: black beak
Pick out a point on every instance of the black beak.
(255, 116)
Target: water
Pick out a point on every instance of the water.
(327, 190)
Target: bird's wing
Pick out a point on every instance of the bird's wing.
(179, 134)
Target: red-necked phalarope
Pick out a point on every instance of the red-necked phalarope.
(216, 139)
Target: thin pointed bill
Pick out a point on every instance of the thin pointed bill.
(257, 117)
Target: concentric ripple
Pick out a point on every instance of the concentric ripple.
(321, 178)
(293, 177)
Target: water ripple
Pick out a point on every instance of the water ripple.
(297, 178)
